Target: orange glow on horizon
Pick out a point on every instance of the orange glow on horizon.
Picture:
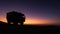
(32, 21)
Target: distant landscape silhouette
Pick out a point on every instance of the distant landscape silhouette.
(17, 17)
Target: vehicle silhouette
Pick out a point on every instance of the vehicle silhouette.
(15, 17)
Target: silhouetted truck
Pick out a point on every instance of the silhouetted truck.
(15, 17)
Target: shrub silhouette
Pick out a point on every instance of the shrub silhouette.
(15, 17)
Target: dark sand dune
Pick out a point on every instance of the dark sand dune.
(28, 28)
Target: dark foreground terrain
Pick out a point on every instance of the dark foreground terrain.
(28, 28)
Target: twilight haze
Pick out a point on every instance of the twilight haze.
(36, 11)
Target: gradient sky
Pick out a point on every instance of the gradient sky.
(36, 11)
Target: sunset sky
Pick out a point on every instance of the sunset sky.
(36, 11)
